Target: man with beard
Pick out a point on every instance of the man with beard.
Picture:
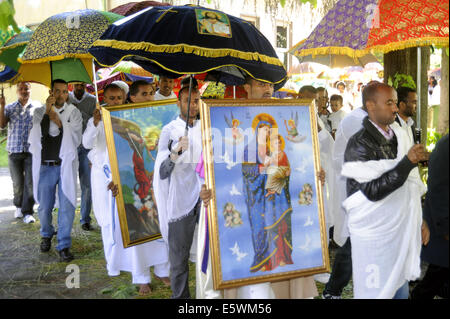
(85, 103)
(407, 103)
(383, 202)
(165, 89)
(54, 140)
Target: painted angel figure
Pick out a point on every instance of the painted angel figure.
(291, 128)
(236, 133)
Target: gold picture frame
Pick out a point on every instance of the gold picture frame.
(273, 260)
(132, 135)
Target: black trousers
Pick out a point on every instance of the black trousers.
(341, 273)
(432, 283)
(20, 168)
(181, 234)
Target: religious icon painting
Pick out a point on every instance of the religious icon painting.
(213, 23)
(132, 134)
(266, 217)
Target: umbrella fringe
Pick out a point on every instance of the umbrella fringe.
(181, 73)
(384, 48)
(428, 41)
(58, 57)
(15, 45)
(204, 52)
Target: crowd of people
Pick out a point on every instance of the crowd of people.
(369, 159)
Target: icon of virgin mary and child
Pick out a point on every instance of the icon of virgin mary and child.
(266, 171)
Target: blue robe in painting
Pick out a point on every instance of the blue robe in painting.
(270, 217)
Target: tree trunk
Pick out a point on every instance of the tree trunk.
(405, 62)
(443, 108)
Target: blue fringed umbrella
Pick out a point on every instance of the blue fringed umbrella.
(178, 40)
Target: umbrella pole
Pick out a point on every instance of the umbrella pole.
(94, 79)
(418, 89)
(189, 106)
(234, 91)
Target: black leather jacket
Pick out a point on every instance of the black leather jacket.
(369, 144)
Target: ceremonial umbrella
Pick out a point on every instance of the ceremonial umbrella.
(359, 27)
(13, 48)
(178, 40)
(6, 73)
(332, 60)
(131, 68)
(58, 47)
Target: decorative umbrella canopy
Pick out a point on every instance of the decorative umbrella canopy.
(131, 68)
(173, 41)
(67, 35)
(356, 27)
(7, 70)
(333, 60)
(14, 48)
(133, 7)
(58, 47)
(6, 34)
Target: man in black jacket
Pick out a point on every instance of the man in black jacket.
(377, 141)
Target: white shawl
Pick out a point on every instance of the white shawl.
(71, 139)
(351, 124)
(176, 199)
(326, 143)
(94, 139)
(386, 234)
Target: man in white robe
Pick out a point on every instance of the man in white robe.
(54, 139)
(177, 187)
(136, 259)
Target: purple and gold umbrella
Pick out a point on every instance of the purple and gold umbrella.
(358, 27)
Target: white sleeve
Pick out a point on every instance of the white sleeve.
(76, 125)
(90, 134)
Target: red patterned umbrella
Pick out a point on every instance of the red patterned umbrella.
(358, 27)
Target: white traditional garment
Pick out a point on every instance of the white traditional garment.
(407, 127)
(159, 96)
(336, 117)
(326, 143)
(177, 198)
(136, 259)
(71, 121)
(204, 283)
(351, 124)
(386, 234)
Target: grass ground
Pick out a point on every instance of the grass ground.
(25, 272)
(3, 154)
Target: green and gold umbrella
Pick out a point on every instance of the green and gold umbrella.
(59, 47)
